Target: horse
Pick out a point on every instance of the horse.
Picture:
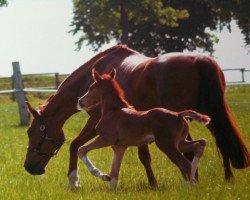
(176, 81)
(121, 126)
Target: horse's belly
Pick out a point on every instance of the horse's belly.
(136, 140)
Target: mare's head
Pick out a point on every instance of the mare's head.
(100, 86)
(45, 139)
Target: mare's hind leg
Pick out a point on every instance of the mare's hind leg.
(197, 147)
(98, 143)
(175, 156)
(144, 156)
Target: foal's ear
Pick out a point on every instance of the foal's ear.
(31, 110)
(95, 75)
(113, 73)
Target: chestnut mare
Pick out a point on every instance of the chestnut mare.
(176, 81)
(121, 126)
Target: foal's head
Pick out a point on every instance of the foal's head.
(102, 84)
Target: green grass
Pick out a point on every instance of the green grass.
(32, 81)
(16, 183)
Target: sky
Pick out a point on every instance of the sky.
(35, 33)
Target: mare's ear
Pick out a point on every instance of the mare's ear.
(113, 74)
(95, 75)
(32, 110)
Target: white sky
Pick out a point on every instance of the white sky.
(35, 33)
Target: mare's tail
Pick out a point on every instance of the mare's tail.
(195, 116)
(228, 138)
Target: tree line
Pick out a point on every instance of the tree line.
(157, 26)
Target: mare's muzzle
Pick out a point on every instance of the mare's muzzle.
(34, 169)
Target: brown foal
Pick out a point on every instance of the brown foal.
(121, 126)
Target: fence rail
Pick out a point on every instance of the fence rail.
(17, 86)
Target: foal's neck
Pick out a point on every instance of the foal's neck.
(112, 101)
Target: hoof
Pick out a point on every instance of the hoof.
(153, 185)
(74, 182)
(193, 182)
(74, 186)
(113, 183)
(106, 177)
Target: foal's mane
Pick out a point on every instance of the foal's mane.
(119, 91)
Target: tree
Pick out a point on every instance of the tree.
(102, 21)
(242, 15)
(3, 3)
(157, 26)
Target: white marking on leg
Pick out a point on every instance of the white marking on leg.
(74, 180)
(113, 183)
(93, 170)
(194, 167)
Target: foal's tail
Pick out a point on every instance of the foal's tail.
(195, 116)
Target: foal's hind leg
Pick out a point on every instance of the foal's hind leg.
(197, 147)
(117, 160)
(175, 156)
(145, 158)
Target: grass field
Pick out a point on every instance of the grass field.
(16, 183)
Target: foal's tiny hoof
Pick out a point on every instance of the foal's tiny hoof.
(106, 177)
(193, 181)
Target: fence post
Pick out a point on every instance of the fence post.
(242, 74)
(20, 95)
(12, 87)
(57, 81)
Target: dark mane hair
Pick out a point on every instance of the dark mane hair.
(85, 69)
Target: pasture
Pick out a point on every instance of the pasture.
(16, 183)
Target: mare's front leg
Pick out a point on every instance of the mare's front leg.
(99, 142)
(85, 135)
(116, 164)
(145, 158)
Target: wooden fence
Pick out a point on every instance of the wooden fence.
(242, 71)
(18, 90)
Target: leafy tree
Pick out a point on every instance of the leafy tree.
(242, 15)
(3, 3)
(157, 26)
(104, 20)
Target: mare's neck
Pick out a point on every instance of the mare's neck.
(112, 101)
(63, 105)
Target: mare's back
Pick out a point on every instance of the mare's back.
(170, 81)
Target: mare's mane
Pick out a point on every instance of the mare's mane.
(79, 73)
(91, 63)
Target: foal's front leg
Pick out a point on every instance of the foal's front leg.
(98, 143)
